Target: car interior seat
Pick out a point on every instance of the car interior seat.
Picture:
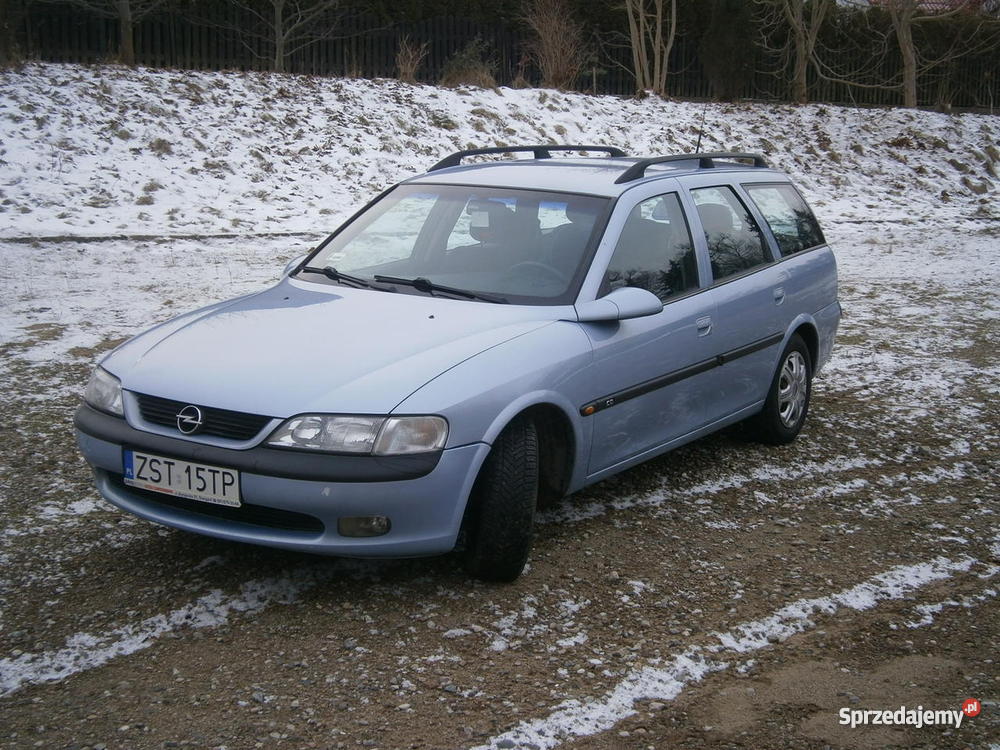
(491, 221)
(716, 219)
(569, 240)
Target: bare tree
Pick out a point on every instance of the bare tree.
(289, 25)
(652, 28)
(907, 14)
(803, 20)
(558, 46)
(128, 13)
(945, 47)
(918, 55)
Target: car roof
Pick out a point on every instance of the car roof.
(590, 175)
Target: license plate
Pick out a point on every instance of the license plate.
(208, 484)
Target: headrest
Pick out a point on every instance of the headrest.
(660, 212)
(580, 210)
(716, 218)
(488, 219)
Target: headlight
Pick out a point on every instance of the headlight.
(383, 436)
(104, 392)
(324, 433)
(411, 435)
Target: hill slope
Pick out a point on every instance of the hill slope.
(108, 150)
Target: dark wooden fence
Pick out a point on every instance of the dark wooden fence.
(364, 47)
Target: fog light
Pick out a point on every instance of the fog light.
(363, 525)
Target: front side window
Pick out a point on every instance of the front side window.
(734, 240)
(521, 245)
(793, 224)
(655, 251)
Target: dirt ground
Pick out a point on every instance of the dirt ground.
(858, 566)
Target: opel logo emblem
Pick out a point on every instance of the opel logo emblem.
(189, 420)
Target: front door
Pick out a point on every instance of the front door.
(647, 372)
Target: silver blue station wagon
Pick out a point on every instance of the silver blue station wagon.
(475, 340)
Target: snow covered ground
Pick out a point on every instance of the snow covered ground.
(272, 163)
(129, 196)
(110, 151)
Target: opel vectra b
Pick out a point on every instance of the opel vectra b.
(475, 339)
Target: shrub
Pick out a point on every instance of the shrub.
(557, 46)
(409, 57)
(470, 66)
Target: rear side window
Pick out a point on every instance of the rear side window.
(794, 226)
(734, 240)
(654, 251)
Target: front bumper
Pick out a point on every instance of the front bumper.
(295, 504)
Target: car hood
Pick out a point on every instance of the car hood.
(301, 347)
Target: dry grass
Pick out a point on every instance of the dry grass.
(161, 146)
(409, 57)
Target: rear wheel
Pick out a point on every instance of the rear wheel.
(787, 404)
(502, 507)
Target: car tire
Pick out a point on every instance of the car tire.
(502, 507)
(787, 403)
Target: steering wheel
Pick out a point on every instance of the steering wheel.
(534, 267)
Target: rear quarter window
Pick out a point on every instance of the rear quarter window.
(791, 221)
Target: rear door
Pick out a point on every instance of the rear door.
(749, 288)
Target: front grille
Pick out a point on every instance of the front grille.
(258, 515)
(223, 423)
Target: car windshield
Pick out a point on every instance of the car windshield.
(512, 245)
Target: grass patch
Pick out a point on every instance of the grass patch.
(161, 147)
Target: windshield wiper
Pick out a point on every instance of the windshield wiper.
(429, 287)
(334, 275)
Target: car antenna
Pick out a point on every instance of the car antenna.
(701, 127)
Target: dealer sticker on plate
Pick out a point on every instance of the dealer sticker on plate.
(209, 484)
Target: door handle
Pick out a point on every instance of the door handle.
(704, 325)
(779, 295)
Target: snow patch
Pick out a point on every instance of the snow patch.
(576, 640)
(83, 651)
(576, 718)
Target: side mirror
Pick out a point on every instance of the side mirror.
(291, 265)
(622, 304)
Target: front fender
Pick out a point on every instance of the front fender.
(524, 402)
(481, 395)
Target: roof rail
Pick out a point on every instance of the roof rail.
(540, 152)
(705, 161)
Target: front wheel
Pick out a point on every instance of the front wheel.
(501, 511)
(787, 402)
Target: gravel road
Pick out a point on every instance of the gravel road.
(727, 595)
